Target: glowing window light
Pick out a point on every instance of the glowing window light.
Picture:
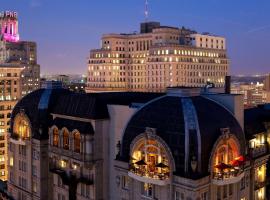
(63, 163)
(11, 161)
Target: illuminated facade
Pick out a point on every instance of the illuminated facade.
(14, 51)
(10, 92)
(183, 144)
(157, 58)
(254, 93)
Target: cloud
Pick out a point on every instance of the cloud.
(35, 3)
(257, 29)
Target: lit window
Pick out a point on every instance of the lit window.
(22, 127)
(77, 142)
(11, 161)
(55, 137)
(65, 139)
(63, 163)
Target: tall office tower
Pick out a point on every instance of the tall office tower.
(267, 83)
(10, 92)
(156, 58)
(23, 53)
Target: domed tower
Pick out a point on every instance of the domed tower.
(182, 142)
(9, 26)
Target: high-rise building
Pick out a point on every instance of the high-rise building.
(23, 53)
(156, 58)
(19, 75)
(10, 92)
(185, 144)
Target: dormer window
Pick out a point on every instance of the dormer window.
(65, 139)
(55, 137)
(77, 142)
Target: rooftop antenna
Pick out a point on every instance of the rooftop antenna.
(146, 12)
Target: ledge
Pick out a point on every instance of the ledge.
(17, 141)
(149, 180)
(227, 181)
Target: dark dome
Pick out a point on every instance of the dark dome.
(170, 115)
(35, 106)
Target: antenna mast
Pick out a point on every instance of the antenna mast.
(146, 12)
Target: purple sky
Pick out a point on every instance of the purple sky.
(66, 30)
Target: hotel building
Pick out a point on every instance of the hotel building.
(156, 58)
(182, 144)
(19, 75)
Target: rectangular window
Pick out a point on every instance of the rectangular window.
(231, 189)
(34, 171)
(125, 182)
(177, 195)
(147, 190)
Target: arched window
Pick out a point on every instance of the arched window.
(149, 158)
(77, 142)
(65, 139)
(55, 137)
(22, 127)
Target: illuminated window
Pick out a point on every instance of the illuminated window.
(150, 159)
(63, 163)
(260, 194)
(22, 127)
(77, 142)
(55, 137)
(65, 139)
(11, 161)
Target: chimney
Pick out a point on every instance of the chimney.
(228, 85)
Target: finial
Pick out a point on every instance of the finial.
(146, 12)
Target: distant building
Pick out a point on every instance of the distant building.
(63, 78)
(156, 58)
(267, 83)
(14, 51)
(254, 93)
(185, 144)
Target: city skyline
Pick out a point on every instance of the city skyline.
(63, 51)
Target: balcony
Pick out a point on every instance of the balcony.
(229, 177)
(259, 185)
(145, 176)
(68, 175)
(259, 150)
(17, 139)
(83, 157)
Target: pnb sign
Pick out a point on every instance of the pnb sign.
(8, 14)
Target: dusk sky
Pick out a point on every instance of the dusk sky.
(65, 30)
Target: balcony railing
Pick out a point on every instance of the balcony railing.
(84, 157)
(259, 185)
(17, 139)
(153, 177)
(258, 150)
(67, 175)
(228, 177)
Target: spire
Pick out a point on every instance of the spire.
(146, 12)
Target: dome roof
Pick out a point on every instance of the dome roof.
(175, 118)
(36, 106)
